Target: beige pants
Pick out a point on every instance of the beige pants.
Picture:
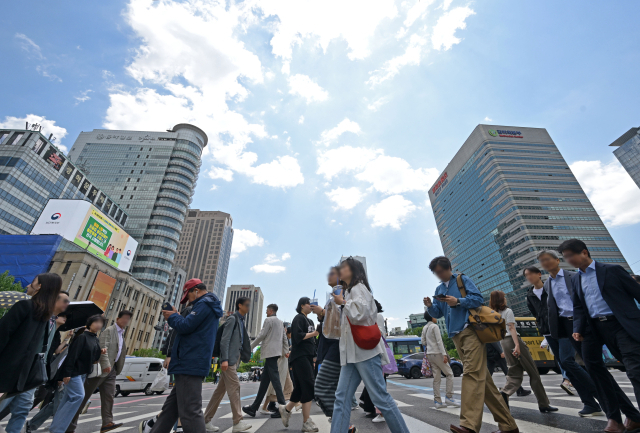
(438, 366)
(478, 388)
(517, 367)
(283, 371)
(230, 384)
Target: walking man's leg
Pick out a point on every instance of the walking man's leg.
(190, 404)
(169, 412)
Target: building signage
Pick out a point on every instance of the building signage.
(54, 158)
(129, 137)
(440, 184)
(68, 170)
(505, 133)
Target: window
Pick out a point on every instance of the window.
(77, 292)
(66, 268)
(86, 271)
(155, 366)
(137, 314)
(139, 335)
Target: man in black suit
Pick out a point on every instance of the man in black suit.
(605, 312)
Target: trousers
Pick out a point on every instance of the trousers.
(270, 376)
(184, 402)
(47, 411)
(107, 387)
(71, 400)
(230, 384)
(19, 406)
(438, 366)
(517, 367)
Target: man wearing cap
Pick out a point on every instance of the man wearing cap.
(190, 359)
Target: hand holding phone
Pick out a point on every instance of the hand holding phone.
(440, 297)
(167, 306)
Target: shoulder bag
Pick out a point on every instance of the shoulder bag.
(488, 324)
(365, 337)
(37, 372)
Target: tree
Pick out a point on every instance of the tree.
(413, 331)
(149, 353)
(450, 346)
(256, 355)
(7, 283)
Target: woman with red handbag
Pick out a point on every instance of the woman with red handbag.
(362, 351)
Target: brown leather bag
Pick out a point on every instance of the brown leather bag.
(488, 323)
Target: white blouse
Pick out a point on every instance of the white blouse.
(360, 309)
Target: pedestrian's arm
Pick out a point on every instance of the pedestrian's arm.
(630, 285)
(262, 334)
(105, 341)
(187, 325)
(423, 337)
(285, 342)
(12, 321)
(225, 339)
(579, 316)
(474, 298)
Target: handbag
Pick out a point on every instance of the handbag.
(365, 337)
(96, 371)
(488, 324)
(426, 367)
(37, 372)
(392, 366)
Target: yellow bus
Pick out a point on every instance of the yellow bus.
(526, 327)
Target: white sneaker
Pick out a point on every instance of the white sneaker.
(210, 427)
(379, 418)
(285, 415)
(310, 426)
(439, 405)
(452, 402)
(241, 426)
(144, 426)
(264, 412)
(85, 408)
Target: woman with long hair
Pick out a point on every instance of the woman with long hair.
(22, 336)
(361, 364)
(518, 357)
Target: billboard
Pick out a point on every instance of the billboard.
(82, 223)
(101, 290)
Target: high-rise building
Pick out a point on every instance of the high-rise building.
(507, 194)
(205, 248)
(32, 171)
(173, 297)
(152, 175)
(253, 320)
(628, 153)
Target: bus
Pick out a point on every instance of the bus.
(405, 345)
(526, 327)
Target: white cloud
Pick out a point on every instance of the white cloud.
(393, 175)
(273, 258)
(213, 187)
(283, 172)
(487, 119)
(411, 56)
(84, 96)
(301, 120)
(344, 159)
(392, 212)
(375, 105)
(31, 48)
(269, 269)
(345, 198)
(307, 88)
(220, 173)
(611, 190)
(331, 135)
(443, 36)
(286, 256)
(243, 239)
(446, 4)
(417, 11)
(48, 127)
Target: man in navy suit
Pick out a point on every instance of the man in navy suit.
(605, 312)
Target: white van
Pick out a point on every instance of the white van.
(137, 375)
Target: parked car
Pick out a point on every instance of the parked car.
(410, 366)
(137, 375)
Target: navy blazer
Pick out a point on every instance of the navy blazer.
(552, 305)
(619, 290)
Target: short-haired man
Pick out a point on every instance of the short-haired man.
(234, 347)
(274, 344)
(111, 362)
(478, 388)
(605, 312)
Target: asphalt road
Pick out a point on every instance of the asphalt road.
(413, 396)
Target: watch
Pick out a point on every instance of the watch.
(458, 304)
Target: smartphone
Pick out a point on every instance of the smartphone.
(167, 306)
(440, 297)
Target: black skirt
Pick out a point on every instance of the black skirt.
(303, 379)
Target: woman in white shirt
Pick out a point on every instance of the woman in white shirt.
(518, 357)
(437, 356)
(358, 364)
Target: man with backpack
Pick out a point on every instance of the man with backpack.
(232, 346)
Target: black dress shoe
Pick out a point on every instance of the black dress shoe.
(276, 414)
(271, 407)
(521, 392)
(548, 409)
(506, 398)
(252, 412)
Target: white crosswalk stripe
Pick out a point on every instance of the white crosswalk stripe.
(255, 423)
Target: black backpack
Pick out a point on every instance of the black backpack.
(216, 345)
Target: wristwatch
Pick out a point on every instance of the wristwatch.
(458, 304)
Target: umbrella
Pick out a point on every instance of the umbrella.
(8, 298)
(78, 313)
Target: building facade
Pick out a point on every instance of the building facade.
(204, 250)
(173, 297)
(253, 320)
(153, 176)
(416, 321)
(32, 171)
(628, 153)
(507, 194)
(80, 270)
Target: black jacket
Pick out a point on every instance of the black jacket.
(494, 350)
(300, 327)
(552, 305)
(619, 290)
(539, 309)
(21, 338)
(84, 351)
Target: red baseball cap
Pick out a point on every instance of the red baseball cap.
(188, 286)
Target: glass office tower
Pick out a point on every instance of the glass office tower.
(507, 194)
(152, 175)
(628, 153)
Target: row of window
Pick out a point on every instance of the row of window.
(588, 228)
(520, 143)
(11, 219)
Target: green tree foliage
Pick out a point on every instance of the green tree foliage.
(413, 331)
(256, 355)
(450, 346)
(7, 283)
(149, 353)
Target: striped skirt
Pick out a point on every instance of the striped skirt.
(326, 385)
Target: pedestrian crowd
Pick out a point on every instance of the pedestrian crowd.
(325, 363)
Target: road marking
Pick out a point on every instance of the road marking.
(415, 425)
(401, 404)
(256, 423)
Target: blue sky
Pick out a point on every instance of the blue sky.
(328, 121)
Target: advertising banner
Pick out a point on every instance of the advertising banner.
(101, 290)
(55, 158)
(82, 223)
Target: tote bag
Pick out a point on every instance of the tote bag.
(392, 366)
(426, 367)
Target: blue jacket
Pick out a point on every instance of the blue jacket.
(196, 335)
(456, 317)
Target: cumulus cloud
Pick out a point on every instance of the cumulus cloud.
(283, 172)
(446, 4)
(391, 212)
(393, 175)
(411, 56)
(611, 190)
(330, 135)
(444, 32)
(344, 159)
(307, 88)
(243, 239)
(301, 120)
(488, 119)
(48, 127)
(375, 105)
(345, 198)
(220, 173)
(273, 258)
(268, 269)
(84, 96)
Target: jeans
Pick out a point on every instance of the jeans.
(47, 411)
(369, 372)
(580, 379)
(71, 401)
(19, 406)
